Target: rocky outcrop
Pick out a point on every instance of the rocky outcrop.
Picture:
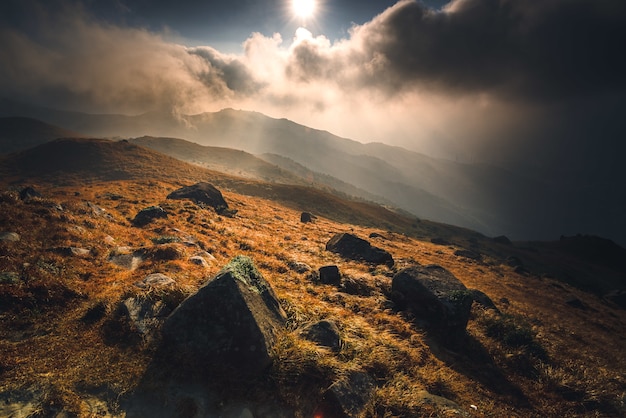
(355, 248)
(436, 296)
(201, 193)
(147, 215)
(228, 325)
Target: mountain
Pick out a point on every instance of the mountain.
(19, 133)
(85, 291)
(490, 199)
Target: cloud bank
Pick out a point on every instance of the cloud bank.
(478, 80)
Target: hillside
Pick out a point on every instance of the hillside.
(18, 133)
(495, 200)
(66, 346)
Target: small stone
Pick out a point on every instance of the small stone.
(306, 217)
(299, 267)
(199, 261)
(324, 333)
(9, 237)
(154, 280)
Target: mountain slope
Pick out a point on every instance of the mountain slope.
(19, 133)
(68, 347)
(493, 200)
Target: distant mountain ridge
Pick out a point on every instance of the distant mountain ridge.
(489, 199)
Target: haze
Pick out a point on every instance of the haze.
(537, 88)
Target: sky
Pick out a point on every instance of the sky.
(538, 85)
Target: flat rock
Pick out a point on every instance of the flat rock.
(129, 261)
(355, 248)
(199, 261)
(155, 280)
(9, 237)
(228, 325)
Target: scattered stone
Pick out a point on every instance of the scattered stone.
(228, 325)
(435, 295)
(355, 248)
(355, 286)
(129, 261)
(149, 214)
(145, 315)
(201, 193)
(330, 275)
(472, 255)
(299, 267)
(617, 297)
(348, 397)
(199, 261)
(444, 405)
(206, 255)
(97, 210)
(439, 241)
(155, 280)
(377, 235)
(502, 239)
(109, 240)
(72, 251)
(483, 300)
(166, 252)
(306, 217)
(28, 193)
(324, 333)
(9, 237)
(574, 302)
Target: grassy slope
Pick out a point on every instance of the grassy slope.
(44, 342)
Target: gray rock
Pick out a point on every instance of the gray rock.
(472, 255)
(228, 325)
(483, 300)
(9, 237)
(129, 261)
(72, 251)
(355, 248)
(149, 214)
(28, 193)
(155, 280)
(324, 333)
(330, 275)
(306, 217)
(204, 193)
(144, 315)
(443, 404)
(199, 261)
(435, 295)
(348, 397)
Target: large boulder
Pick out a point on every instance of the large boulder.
(355, 248)
(434, 295)
(228, 326)
(204, 193)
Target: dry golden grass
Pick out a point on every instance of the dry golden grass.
(577, 368)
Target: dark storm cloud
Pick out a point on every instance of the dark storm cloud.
(231, 71)
(536, 49)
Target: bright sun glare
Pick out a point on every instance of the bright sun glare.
(303, 8)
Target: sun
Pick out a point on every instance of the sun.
(303, 8)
